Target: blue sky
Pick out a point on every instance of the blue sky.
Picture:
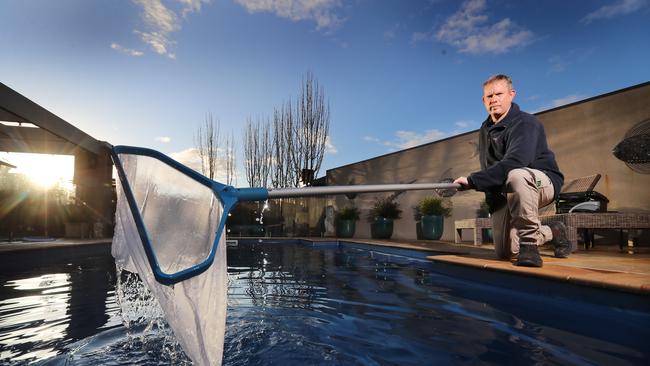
(397, 73)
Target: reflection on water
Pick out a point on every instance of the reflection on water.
(293, 304)
(345, 306)
(44, 314)
(52, 298)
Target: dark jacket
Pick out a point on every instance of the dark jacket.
(518, 141)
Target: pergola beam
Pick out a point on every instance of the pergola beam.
(18, 108)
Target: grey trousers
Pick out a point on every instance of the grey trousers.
(527, 190)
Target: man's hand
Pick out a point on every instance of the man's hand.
(464, 183)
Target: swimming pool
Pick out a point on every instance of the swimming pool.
(297, 303)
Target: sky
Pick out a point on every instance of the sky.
(396, 73)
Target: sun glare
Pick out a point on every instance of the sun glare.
(44, 170)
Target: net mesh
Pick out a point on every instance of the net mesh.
(180, 217)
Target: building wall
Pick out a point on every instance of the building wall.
(94, 189)
(582, 135)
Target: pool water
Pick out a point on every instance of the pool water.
(292, 303)
(50, 299)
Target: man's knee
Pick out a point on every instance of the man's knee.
(518, 179)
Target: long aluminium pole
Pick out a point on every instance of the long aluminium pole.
(360, 188)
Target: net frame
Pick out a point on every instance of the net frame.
(227, 196)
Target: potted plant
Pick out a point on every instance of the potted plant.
(346, 222)
(483, 211)
(433, 210)
(382, 214)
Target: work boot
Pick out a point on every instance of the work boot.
(560, 241)
(528, 256)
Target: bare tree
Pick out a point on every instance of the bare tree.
(230, 160)
(283, 173)
(311, 129)
(290, 150)
(257, 152)
(206, 141)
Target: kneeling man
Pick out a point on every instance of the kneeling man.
(519, 175)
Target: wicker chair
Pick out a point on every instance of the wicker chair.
(583, 222)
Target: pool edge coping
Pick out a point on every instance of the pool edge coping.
(552, 270)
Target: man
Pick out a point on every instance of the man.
(519, 175)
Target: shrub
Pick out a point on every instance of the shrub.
(244, 213)
(385, 207)
(349, 213)
(434, 206)
(483, 209)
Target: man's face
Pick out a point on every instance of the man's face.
(497, 98)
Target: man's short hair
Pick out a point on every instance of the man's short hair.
(498, 77)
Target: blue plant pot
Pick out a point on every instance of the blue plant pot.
(432, 227)
(381, 228)
(345, 228)
(487, 236)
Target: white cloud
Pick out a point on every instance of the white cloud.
(320, 11)
(159, 42)
(191, 6)
(329, 146)
(561, 102)
(406, 139)
(464, 22)
(620, 7)
(125, 50)
(164, 139)
(189, 157)
(462, 124)
(370, 139)
(158, 16)
(566, 100)
(159, 23)
(469, 31)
